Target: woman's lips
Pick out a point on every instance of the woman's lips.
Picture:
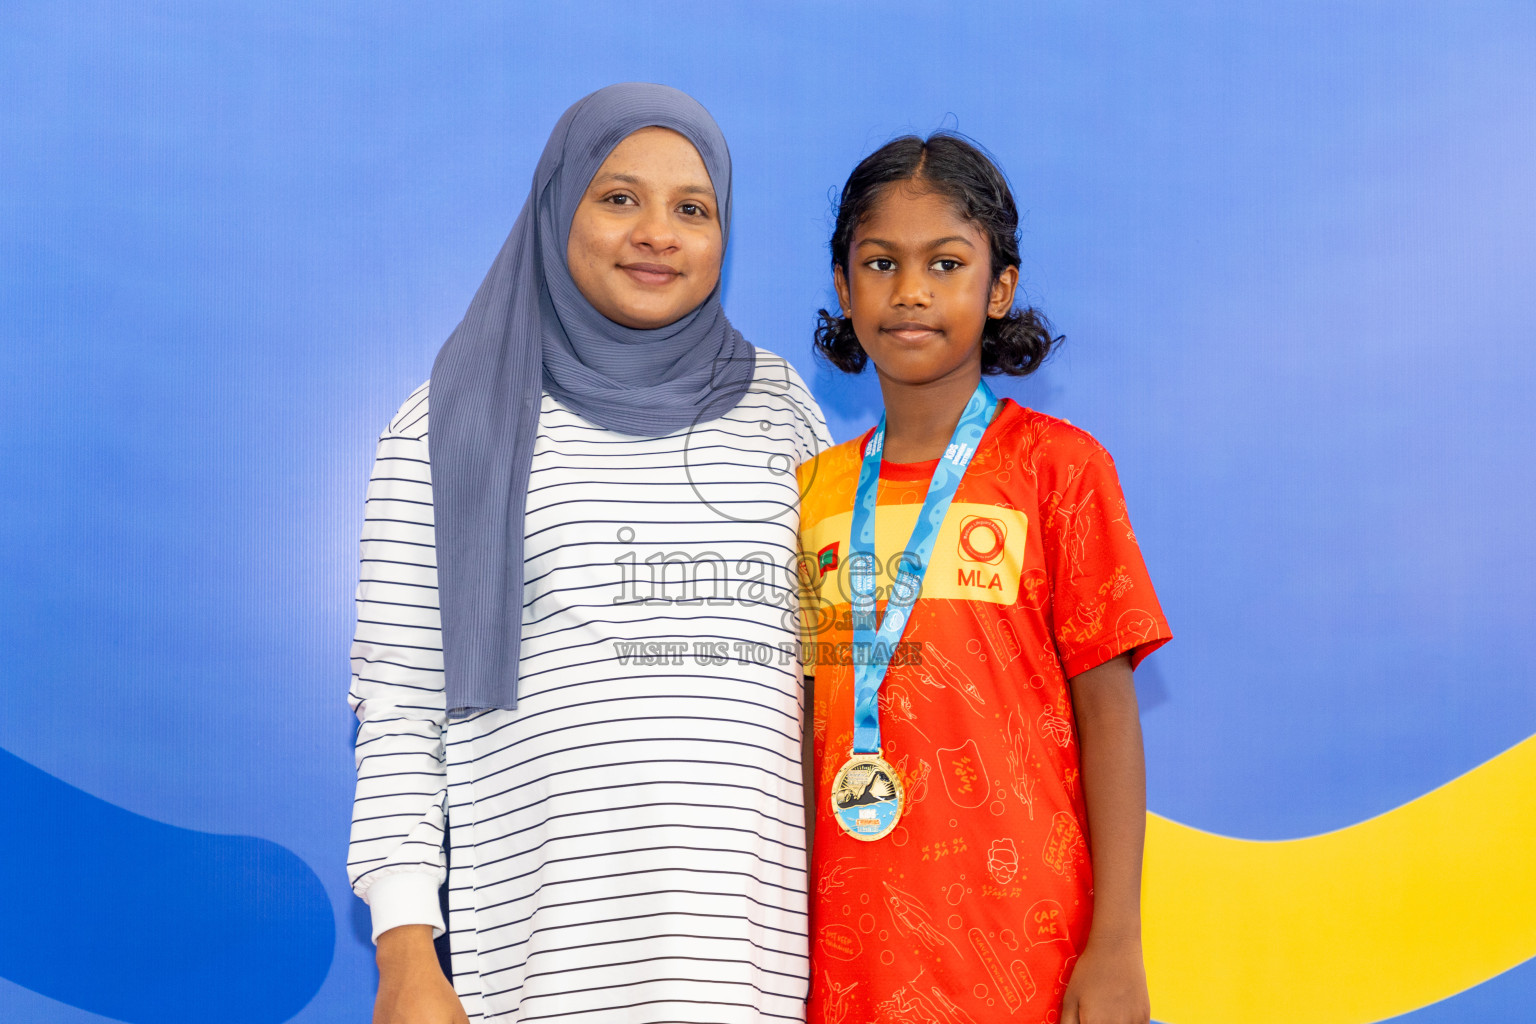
(650, 273)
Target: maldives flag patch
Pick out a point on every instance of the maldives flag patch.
(826, 558)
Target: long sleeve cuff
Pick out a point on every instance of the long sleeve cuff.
(408, 897)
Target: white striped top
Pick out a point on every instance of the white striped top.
(628, 845)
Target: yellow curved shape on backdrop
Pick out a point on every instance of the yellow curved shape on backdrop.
(1377, 919)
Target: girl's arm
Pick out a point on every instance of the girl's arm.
(1109, 982)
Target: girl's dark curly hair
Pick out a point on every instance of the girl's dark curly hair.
(950, 166)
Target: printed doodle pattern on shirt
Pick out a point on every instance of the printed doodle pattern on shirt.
(976, 906)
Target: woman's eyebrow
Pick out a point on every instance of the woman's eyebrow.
(630, 179)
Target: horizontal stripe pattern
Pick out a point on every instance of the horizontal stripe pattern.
(628, 844)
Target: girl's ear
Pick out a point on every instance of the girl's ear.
(840, 282)
(1000, 299)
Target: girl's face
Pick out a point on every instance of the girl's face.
(645, 245)
(919, 287)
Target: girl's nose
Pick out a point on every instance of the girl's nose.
(911, 289)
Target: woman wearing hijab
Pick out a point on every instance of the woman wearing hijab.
(576, 619)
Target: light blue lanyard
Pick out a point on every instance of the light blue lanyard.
(872, 649)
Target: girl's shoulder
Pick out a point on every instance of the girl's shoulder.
(1053, 454)
(831, 476)
(1040, 437)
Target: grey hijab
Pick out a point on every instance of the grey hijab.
(529, 329)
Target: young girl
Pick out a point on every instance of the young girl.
(979, 798)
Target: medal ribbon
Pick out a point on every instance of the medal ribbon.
(872, 648)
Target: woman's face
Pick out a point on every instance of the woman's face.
(645, 245)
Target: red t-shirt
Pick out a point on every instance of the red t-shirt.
(976, 906)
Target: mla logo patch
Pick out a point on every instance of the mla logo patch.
(982, 539)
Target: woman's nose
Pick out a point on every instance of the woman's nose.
(654, 229)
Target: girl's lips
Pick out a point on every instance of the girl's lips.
(910, 331)
(650, 273)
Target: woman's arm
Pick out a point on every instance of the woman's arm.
(1109, 982)
(412, 989)
(808, 775)
(396, 860)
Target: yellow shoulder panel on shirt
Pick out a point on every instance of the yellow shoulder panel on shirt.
(827, 482)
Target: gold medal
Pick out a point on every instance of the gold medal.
(866, 797)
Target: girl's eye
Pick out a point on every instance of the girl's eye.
(947, 265)
(881, 265)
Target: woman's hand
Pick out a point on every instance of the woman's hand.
(1108, 986)
(412, 989)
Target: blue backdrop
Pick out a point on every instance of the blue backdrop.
(1286, 242)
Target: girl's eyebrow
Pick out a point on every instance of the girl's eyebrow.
(946, 240)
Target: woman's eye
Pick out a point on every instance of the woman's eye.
(693, 210)
(620, 199)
